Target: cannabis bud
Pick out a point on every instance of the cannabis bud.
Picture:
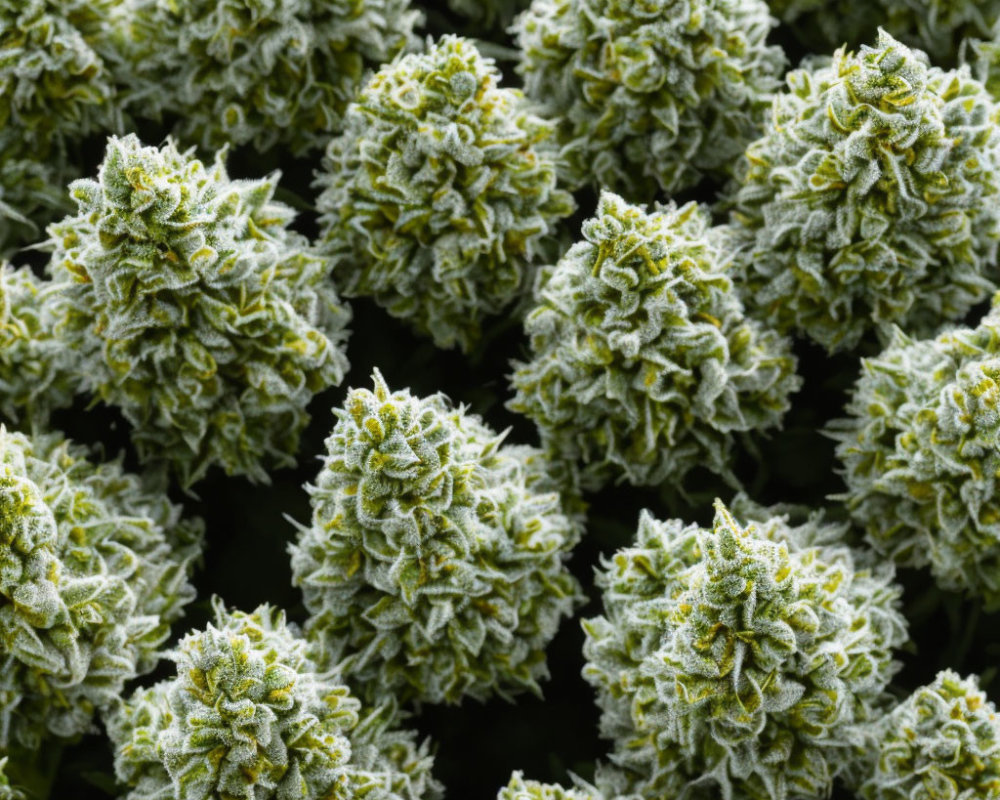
(36, 370)
(93, 570)
(739, 657)
(441, 193)
(57, 59)
(642, 362)
(250, 715)
(435, 564)
(650, 95)
(520, 789)
(871, 197)
(941, 741)
(193, 307)
(239, 71)
(920, 454)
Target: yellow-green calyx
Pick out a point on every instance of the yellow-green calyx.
(738, 659)
(434, 567)
(441, 195)
(191, 305)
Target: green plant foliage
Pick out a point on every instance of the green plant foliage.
(388, 761)
(920, 454)
(935, 26)
(55, 79)
(434, 567)
(520, 789)
(265, 72)
(36, 371)
(871, 198)
(654, 255)
(651, 94)
(249, 715)
(193, 307)
(7, 791)
(56, 85)
(93, 570)
(642, 363)
(941, 743)
(737, 660)
(30, 190)
(983, 58)
(441, 193)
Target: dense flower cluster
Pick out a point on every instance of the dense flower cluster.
(652, 95)
(441, 193)
(434, 567)
(54, 77)
(921, 454)
(181, 309)
(643, 364)
(520, 789)
(943, 741)
(238, 71)
(872, 197)
(248, 715)
(93, 570)
(36, 371)
(738, 659)
(936, 26)
(56, 83)
(189, 303)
